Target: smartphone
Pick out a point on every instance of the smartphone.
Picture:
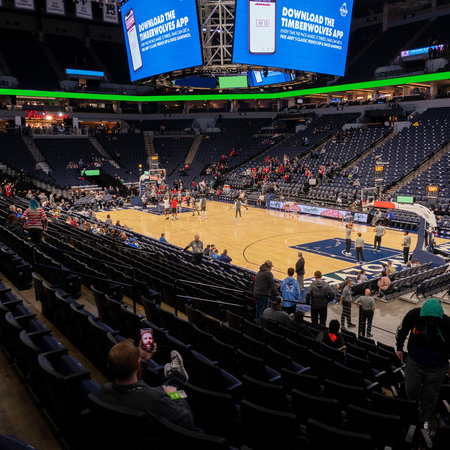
(258, 76)
(133, 41)
(262, 26)
(147, 339)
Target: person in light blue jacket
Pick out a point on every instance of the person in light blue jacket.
(290, 291)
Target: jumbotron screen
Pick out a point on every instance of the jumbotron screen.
(311, 35)
(161, 36)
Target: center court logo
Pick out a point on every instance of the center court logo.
(343, 10)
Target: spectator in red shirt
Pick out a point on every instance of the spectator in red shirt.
(35, 221)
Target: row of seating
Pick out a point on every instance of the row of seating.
(15, 268)
(257, 399)
(58, 382)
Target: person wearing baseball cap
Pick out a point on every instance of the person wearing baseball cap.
(427, 362)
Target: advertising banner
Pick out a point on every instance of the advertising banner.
(161, 36)
(310, 35)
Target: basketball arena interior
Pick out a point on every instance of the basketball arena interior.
(239, 209)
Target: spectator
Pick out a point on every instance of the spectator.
(383, 283)
(162, 238)
(390, 268)
(290, 292)
(14, 225)
(108, 221)
(125, 362)
(389, 217)
(376, 217)
(197, 249)
(346, 302)
(275, 312)
(332, 336)
(415, 262)
(215, 254)
(207, 251)
(367, 304)
(264, 288)
(224, 257)
(428, 354)
(298, 324)
(300, 270)
(361, 277)
(319, 294)
(35, 221)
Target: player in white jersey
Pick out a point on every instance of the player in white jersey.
(166, 202)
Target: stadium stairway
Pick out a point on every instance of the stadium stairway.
(194, 148)
(149, 145)
(102, 151)
(370, 150)
(53, 61)
(436, 156)
(37, 155)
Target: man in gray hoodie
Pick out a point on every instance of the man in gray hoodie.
(264, 288)
(319, 294)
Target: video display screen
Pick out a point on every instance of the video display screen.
(311, 35)
(262, 78)
(233, 82)
(161, 36)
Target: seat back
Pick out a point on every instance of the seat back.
(308, 406)
(371, 422)
(324, 436)
(221, 419)
(117, 427)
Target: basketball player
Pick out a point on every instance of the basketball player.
(144, 201)
(174, 208)
(238, 204)
(203, 206)
(195, 207)
(180, 200)
(348, 238)
(244, 200)
(166, 202)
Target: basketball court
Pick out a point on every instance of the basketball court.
(263, 234)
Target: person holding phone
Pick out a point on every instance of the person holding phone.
(126, 363)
